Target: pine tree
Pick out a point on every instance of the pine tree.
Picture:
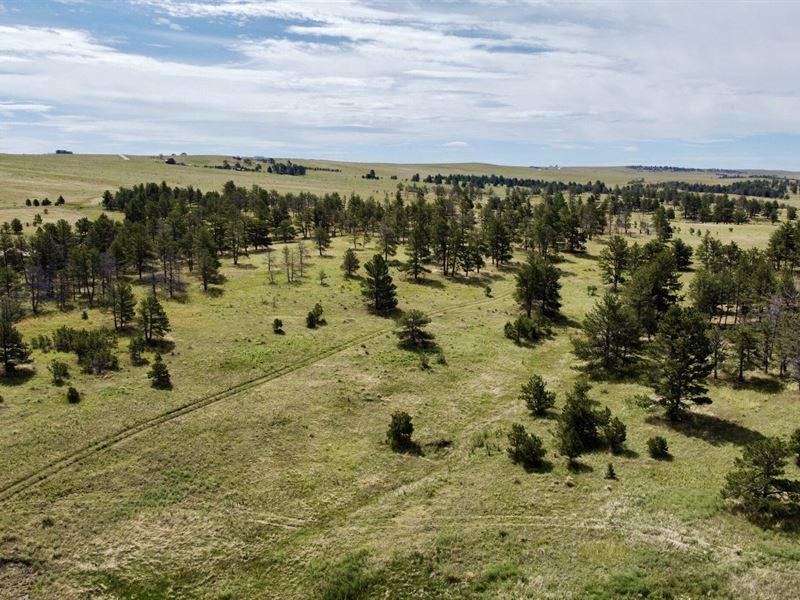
(400, 431)
(378, 287)
(537, 397)
(205, 256)
(525, 448)
(537, 286)
(123, 303)
(153, 318)
(350, 262)
(159, 374)
(613, 261)
(680, 353)
(417, 250)
(322, 239)
(13, 351)
(744, 343)
(611, 336)
(412, 332)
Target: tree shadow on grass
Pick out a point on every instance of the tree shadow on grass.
(543, 467)
(161, 346)
(412, 448)
(425, 282)
(215, 292)
(626, 453)
(711, 429)
(765, 385)
(17, 377)
(579, 467)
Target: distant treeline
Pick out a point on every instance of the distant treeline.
(661, 168)
(764, 188)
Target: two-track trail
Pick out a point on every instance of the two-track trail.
(26, 482)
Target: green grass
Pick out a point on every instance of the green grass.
(288, 489)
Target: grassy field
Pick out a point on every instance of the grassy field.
(265, 473)
(81, 179)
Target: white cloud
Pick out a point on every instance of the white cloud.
(167, 23)
(7, 108)
(630, 148)
(351, 72)
(456, 144)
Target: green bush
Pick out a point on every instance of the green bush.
(614, 434)
(658, 448)
(159, 374)
(59, 371)
(311, 320)
(400, 430)
(525, 448)
(537, 397)
(73, 396)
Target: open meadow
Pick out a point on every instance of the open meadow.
(265, 472)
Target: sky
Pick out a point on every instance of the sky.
(520, 82)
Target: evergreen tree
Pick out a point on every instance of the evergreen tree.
(611, 336)
(525, 448)
(136, 346)
(418, 250)
(537, 397)
(757, 482)
(613, 261)
(661, 224)
(537, 286)
(412, 332)
(153, 318)
(205, 256)
(350, 262)
(322, 238)
(744, 345)
(653, 288)
(378, 287)
(399, 433)
(680, 353)
(159, 374)
(123, 303)
(13, 352)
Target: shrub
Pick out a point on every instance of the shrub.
(277, 327)
(610, 472)
(412, 333)
(756, 482)
(400, 430)
(311, 320)
(42, 342)
(94, 348)
(614, 435)
(59, 370)
(424, 361)
(135, 348)
(525, 448)
(794, 445)
(657, 447)
(159, 374)
(536, 396)
(73, 396)
(525, 329)
(318, 314)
